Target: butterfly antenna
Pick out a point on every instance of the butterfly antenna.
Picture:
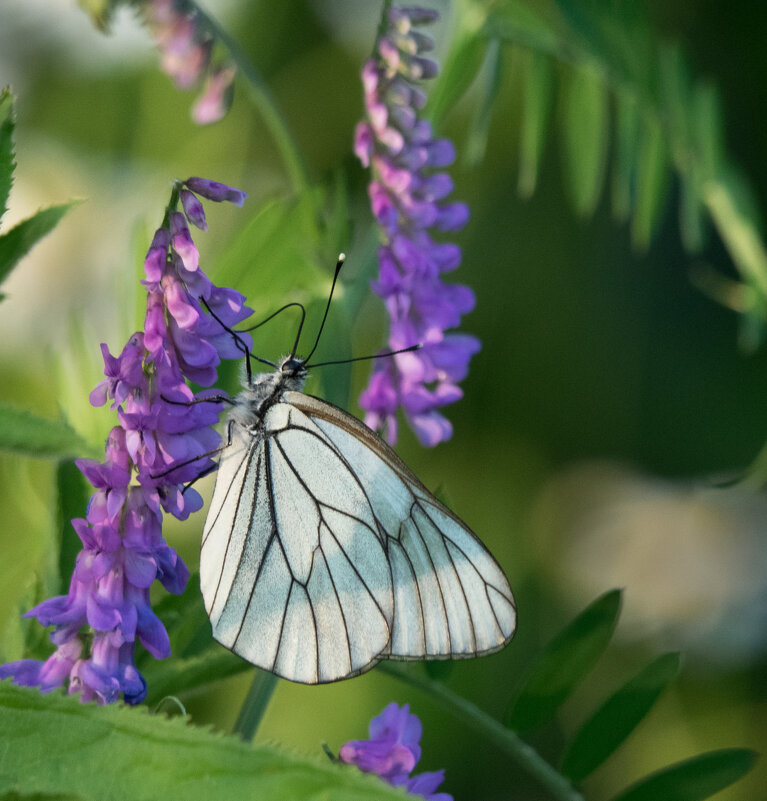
(273, 315)
(364, 358)
(239, 342)
(339, 265)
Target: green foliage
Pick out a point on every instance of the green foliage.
(665, 123)
(295, 253)
(585, 137)
(72, 492)
(609, 726)
(564, 662)
(16, 243)
(561, 667)
(24, 432)
(273, 259)
(536, 100)
(100, 12)
(7, 161)
(122, 753)
(693, 779)
(490, 86)
(197, 660)
(461, 66)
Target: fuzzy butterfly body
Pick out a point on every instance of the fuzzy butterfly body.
(323, 554)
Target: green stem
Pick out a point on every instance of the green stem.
(255, 703)
(383, 25)
(508, 741)
(172, 204)
(264, 100)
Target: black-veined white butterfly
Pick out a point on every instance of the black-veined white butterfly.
(323, 553)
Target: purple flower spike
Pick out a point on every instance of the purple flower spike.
(186, 48)
(161, 442)
(393, 751)
(406, 197)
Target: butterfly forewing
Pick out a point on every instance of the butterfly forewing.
(293, 569)
(323, 553)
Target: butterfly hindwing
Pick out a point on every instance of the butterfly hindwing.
(451, 598)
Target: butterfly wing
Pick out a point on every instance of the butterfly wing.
(451, 598)
(292, 568)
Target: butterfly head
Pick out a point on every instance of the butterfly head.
(292, 372)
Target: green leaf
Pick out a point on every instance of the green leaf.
(652, 180)
(177, 675)
(708, 133)
(54, 744)
(16, 243)
(693, 779)
(564, 662)
(585, 132)
(675, 86)
(588, 26)
(197, 660)
(517, 23)
(691, 210)
(72, 492)
(100, 12)
(536, 100)
(7, 161)
(731, 207)
(12, 796)
(626, 149)
(185, 619)
(459, 71)
(490, 84)
(272, 259)
(612, 723)
(24, 432)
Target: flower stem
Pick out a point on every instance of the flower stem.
(508, 741)
(264, 100)
(254, 706)
(382, 25)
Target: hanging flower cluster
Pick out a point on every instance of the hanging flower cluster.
(187, 48)
(393, 751)
(407, 194)
(162, 441)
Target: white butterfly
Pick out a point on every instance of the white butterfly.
(323, 554)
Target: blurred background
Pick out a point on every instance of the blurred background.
(605, 422)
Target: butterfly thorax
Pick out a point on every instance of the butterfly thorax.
(266, 389)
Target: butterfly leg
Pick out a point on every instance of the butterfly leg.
(211, 399)
(206, 472)
(197, 458)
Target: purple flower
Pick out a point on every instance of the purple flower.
(186, 47)
(393, 751)
(406, 197)
(161, 442)
(216, 98)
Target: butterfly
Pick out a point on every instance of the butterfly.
(323, 553)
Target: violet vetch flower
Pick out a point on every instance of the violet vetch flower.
(187, 47)
(407, 196)
(161, 442)
(393, 751)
